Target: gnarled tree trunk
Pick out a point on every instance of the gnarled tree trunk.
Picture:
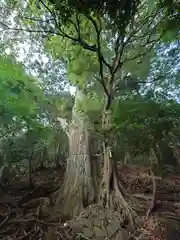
(112, 193)
(78, 189)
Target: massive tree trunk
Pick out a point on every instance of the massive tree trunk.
(78, 189)
(112, 193)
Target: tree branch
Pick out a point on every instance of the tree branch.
(103, 85)
(5, 134)
(98, 47)
(25, 30)
(50, 11)
(36, 19)
(118, 54)
(153, 42)
(141, 24)
(101, 58)
(79, 40)
(120, 45)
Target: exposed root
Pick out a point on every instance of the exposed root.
(120, 199)
(113, 197)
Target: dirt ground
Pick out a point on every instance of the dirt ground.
(155, 200)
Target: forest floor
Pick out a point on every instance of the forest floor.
(156, 200)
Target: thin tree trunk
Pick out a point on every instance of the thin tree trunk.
(57, 163)
(78, 188)
(30, 169)
(112, 193)
(42, 158)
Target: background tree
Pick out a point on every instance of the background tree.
(20, 100)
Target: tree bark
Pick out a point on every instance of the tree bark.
(30, 168)
(78, 189)
(112, 194)
(57, 157)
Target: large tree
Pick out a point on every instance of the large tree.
(118, 38)
(115, 45)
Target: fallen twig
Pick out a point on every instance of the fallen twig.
(17, 221)
(114, 233)
(4, 221)
(82, 236)
(8, 215)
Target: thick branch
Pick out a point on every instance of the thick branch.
(98, 48)
(79, 40)
(50, 11)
